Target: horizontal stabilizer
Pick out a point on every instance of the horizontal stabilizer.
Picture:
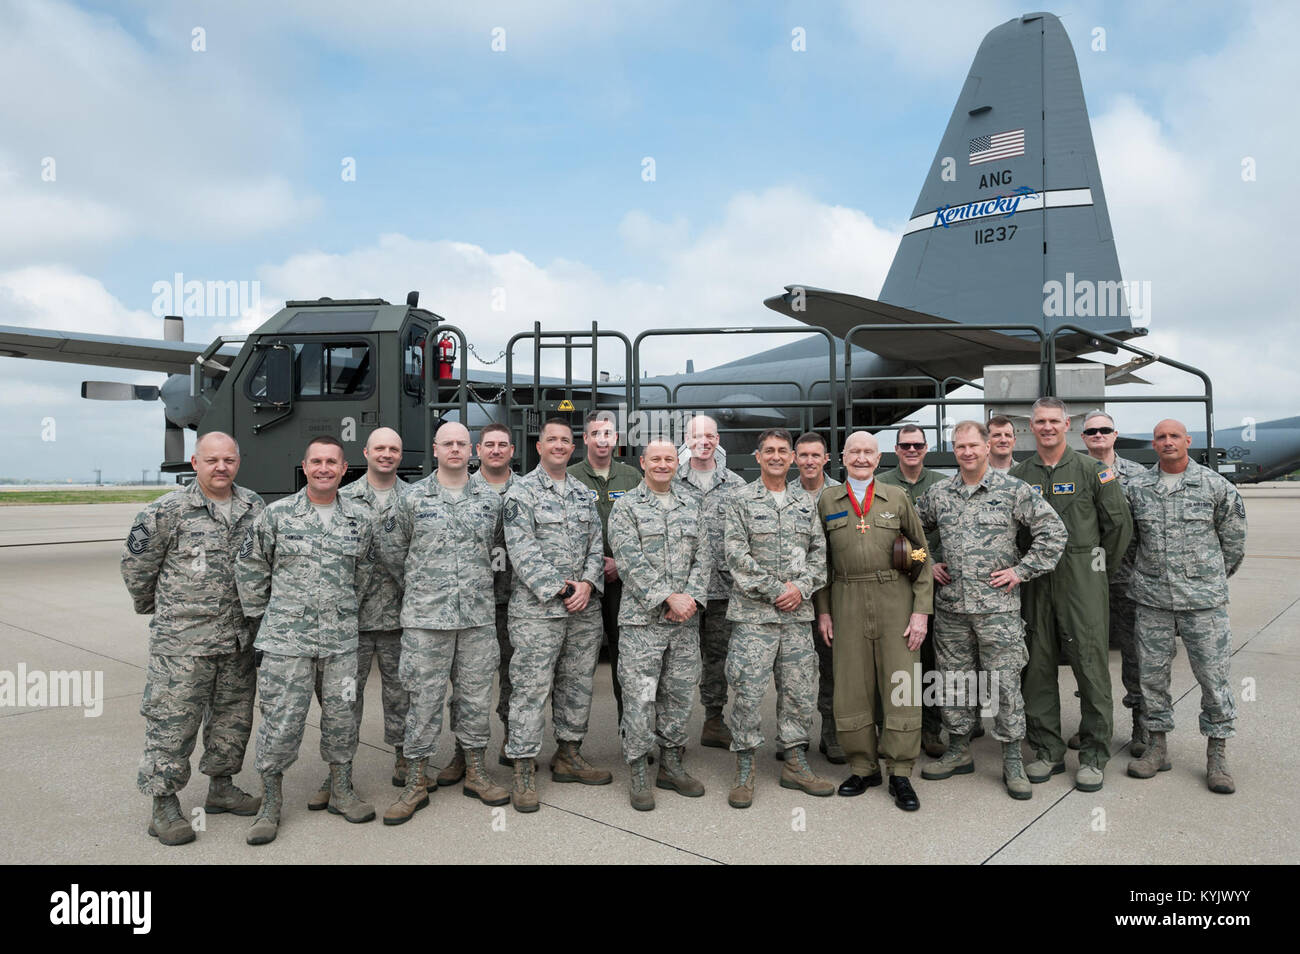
(839, 312)
(107, 351)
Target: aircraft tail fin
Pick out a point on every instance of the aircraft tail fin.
(1013, 201)
(1011, 224)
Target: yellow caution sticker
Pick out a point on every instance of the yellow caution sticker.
(565, 406)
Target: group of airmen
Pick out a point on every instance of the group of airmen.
(838, 593)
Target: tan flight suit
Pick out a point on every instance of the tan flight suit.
(870, 603)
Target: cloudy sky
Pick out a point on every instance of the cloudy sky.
(212, 139)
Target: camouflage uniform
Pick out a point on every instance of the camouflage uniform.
(438, 545)
(304, 580)
(659, 552)
(825, 654)
(502, 581)
(1066, 611)
(931, 717)
(1122, 608)
(1191, 538)
(379, 633)
(767, 546)
(552, 533)
(179, 565)
(605, 492)
(978, 625)
(715, 628)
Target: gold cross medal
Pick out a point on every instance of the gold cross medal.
(859, 510)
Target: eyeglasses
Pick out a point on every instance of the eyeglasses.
(912, 447)
(1094, 431)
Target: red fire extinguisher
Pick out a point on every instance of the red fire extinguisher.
(446, 356)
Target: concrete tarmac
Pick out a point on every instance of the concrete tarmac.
(68, 795)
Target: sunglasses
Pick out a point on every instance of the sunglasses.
(1094, 431)
(920, 446)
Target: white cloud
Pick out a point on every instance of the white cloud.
(718, 277)
(143, 138)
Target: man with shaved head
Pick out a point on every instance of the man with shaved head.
(663, 560)
(438, 543)
(711, 483)
(179, 566)
(1191, 532)
(379, 634)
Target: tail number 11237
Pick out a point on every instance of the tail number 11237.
(994, 234)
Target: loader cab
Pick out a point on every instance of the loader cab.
(327, 367)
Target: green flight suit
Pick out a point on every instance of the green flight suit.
(1069, 608)
(605, 492)
(870, 604)
(931, 712)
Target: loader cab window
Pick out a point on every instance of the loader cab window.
(321, 370)
(414, 349)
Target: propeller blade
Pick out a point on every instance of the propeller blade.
(174, 444)
(117, 391)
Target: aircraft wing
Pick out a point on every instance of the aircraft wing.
(109, 351)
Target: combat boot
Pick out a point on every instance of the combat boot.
(796, 773)
(1216, 767)
(267, 822)
(454, 770)
(343, 800)
(415, 794)
(672, 774)
(978, 731)
(830, 745)
(955, 761)
(1089, 778)
(742, 790)
(321, 799)
(400, 767)
(1075, 742)
(167, 823)
(1138, 741)
(1013, 772)
(478, 783)
(524, 794)
(1041, 769)
(932, 744)
(225, 796)
(641, 795)
(715, 735)
(569, 766)
(1155, 759)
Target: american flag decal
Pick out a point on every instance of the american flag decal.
(1001, 145)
